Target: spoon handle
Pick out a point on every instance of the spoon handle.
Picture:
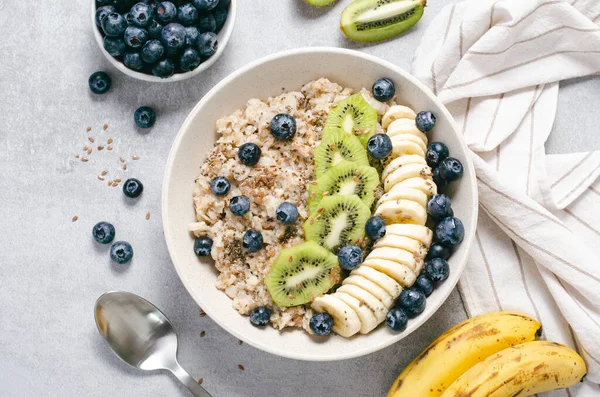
(189, 382)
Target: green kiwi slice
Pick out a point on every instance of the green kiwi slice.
(344, 179)
(375, 20)
(320, 3)
(301, 273)
(338, 221)
(336, 147)
(352, 116)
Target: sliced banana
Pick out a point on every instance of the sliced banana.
(402, 211)
(404, 193)
(406, 126)
(372, 288)
(397, 112)
(426, 185)
(367, 318)
(402, 161)
(405, 172)
(374, 304)
(381, 279)
(403, 147)
(417, 232)
(406, 258)
(418, 248)
(410, 138)
(402, 274)
(345, 320)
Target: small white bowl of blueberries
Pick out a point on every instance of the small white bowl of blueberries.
(163, 41)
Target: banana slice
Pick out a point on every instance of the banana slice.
(402, 274)
(406, 258)
(402, 211)
(405, 172)
(417, 232)
(381, 279)
(404, 193)
(406, 126)
(403, 147)
(411, 138)
(426, 185)
(367, 318)
(368, 300)
(345, 320)
(401, 161)
(418, 248)
(372, 288)
(397, 112)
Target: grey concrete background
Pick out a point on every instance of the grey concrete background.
(50, 271)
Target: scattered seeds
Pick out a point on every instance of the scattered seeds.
(147, 216)
(74, 218)
(135, 157)
(76, 156)
(110, 183)
(241, 367)
(202, 334)
(100, 147)
(91, 139)
(121, 159)
(84, 159)
(104, 172)
(88, 129)
(124, 167)
(200, 381)
(105, 127)
(100, 177)
(85, 148)
(110, 140)
(109, 148)
(89, 151)
(202, 314)
(240, 342)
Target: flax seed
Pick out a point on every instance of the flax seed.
(110, 140)
(100, 147)
(109, 148)
(147, 216)
(240, 342)
(105, 127)
(121, 159)
(202, 334)
(84, 159)
(100, 177)
(74, 218)
(88, 129)
(135, 157)
(85, 148)
(241, 367)
(89, 151)
(202, 314)
(91, 139)
(200, 381)
(104, 172)
(109, 183)
(76, 156)
(124, 167)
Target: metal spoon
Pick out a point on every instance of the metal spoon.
(141, 335)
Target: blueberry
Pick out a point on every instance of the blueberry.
(287, 213)
(128, 18)
(379, 146)
(396, 319)
(164, 68)
(437, 179)
(103, 232)
(121, 252)
(142, 14)
(384, 89)
(132, 188)
(450, 231)
(152, 51)
(189, 60)
(114, 24)
(283, 127)
(187, 14)
(207, 22)
(208, 44)
(173, 35)
(166, 12)
(375, 227)
(192, 36)
(144, 117)
(155, 30)
(133, 60)
(202, 246)
(437, 269)
(223, 4)
(249, 153)
(437, 250)
(124, 6)
(451, 169)
(436, 152)
(99, 82)
(321, 324)
(425, 121)
(220, 186)
(350, 257)
(115, 46)
(220, 15)
(260, 316)
(412, 301)
(424, 284)
(173, 53)
(239, 205)
(136, 37)
(102, 12)
(252, 240)
(439, 207)
(206, 5)
(104, 2)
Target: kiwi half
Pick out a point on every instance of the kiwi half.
(301, 273)
(320, 3)
(336, 147)
(375, 20)
(338, 221)
(344, 179)
(352, 116)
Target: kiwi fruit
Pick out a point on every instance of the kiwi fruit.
(352, 116)
(336, 147)
(376, 20)
(301, 273)
(344, 179)
(338, 221)
(320, 3)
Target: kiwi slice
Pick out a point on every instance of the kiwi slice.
(301, 273)
(339, 221)
(352, 116)
(344, 179)
(375, 20)
(320, 3)
(336, 147)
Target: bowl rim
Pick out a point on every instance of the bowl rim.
(360, 351)
(224, 36)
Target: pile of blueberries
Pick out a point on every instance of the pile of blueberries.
(161, 38)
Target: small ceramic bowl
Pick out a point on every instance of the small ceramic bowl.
(261, 79)
(223, 37)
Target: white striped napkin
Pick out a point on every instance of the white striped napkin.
(496, 65)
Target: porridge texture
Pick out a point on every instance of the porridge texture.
(283, 174)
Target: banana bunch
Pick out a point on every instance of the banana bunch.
(493, 354)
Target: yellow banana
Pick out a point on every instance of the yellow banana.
(522, 370)
(460, 348)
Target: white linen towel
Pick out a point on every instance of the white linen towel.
(496, 65)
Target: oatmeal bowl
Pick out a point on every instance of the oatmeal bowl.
(319, 204)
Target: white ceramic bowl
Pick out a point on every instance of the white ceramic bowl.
(223, 37)
(195, 140)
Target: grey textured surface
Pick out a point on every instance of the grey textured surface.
(51, 272)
